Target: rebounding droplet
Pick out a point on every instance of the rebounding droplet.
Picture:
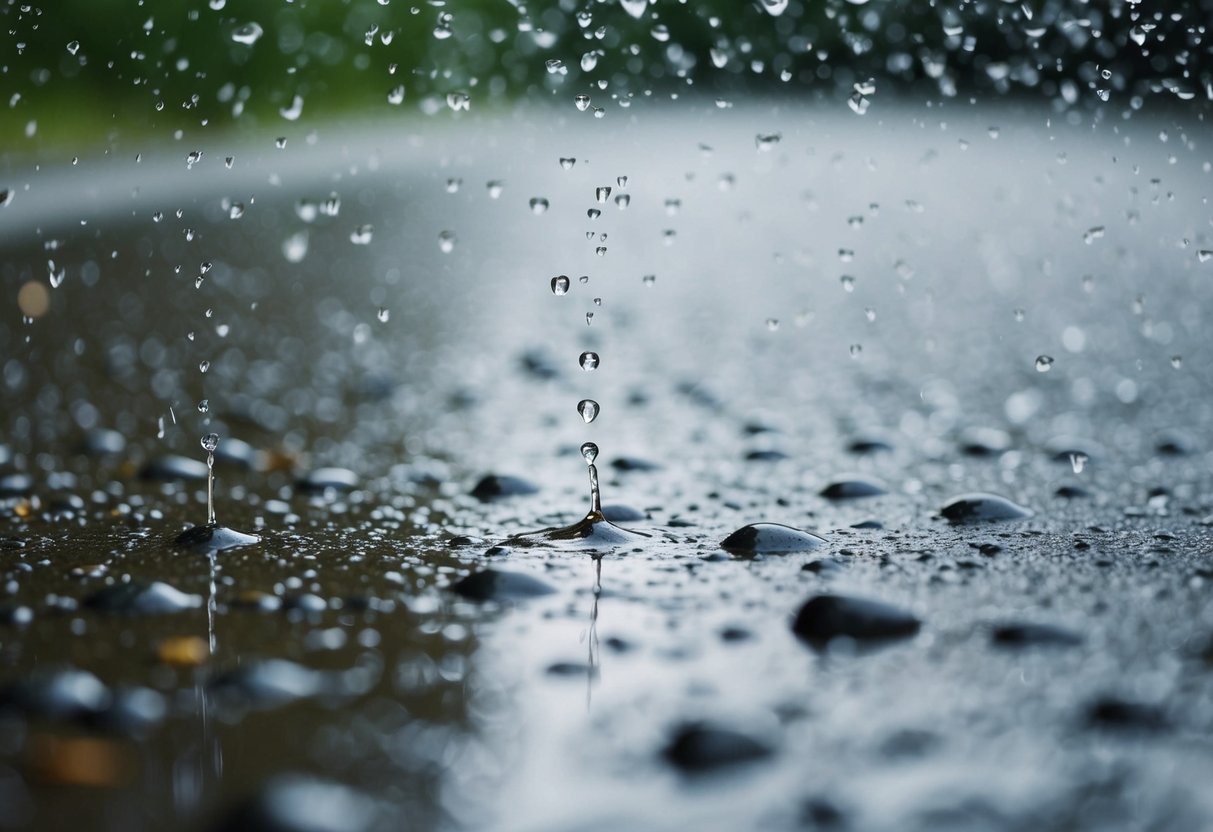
(589, 451)
(589, 361)
(588, 408)
(210, 442)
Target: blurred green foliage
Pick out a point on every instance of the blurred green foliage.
(143, 65)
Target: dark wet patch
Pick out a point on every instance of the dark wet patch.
(825, 617)
(982, 508)
(770, 539)
(497, 585)
(702, 748)
(499, 486)
(1026, 634)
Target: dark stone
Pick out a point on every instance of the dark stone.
(631, 463)
(305, 602)
(733, 634)
(138, 598)
(102, 442)
(496, 585)
(1024, 634)
(1175, 443)
(769, 455)
(1123, 715)
(770, 539)
(869, 444)
(580, 669)
(214, 538)
(828, 616)
(853, 488)
(325, 479)
(1072, 492)
(173, 468)
(825, 566)
(233, 451)
(497, 486)
(984, 442)
(698, 748)
(868, 524)
(497, 551)
(622, 514)
(16, 484)
(58, 694)
(268, 684)
(294, 803)
(982, 508)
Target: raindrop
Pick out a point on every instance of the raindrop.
(588, 61)
(227, 162)
(1093, 234)
(593, 213)
(589, 452)
(582, 101)
(361, 235)
(774, 7)
(623, 200)
(446, 241)
(649, 279)
(210, 442)
(555, 66)
(396, 95)
(280, 142)
(848, 282)
(636, 8)
(767, 141)
(204, 406)
(203, 366)
(247, 34)
(601, 251)
(588, 361)
(383, 314)
(1204, 255)
(73, 47)
(567, 162)
(458, 101)
(453, 184)
(621, 181)
(495, 188)
(538, 205)
(602, 193)
(588, 408)
(1044, 363)
(295, 110)
(856, 350)
(1177, 361)
(772, 324)
(1078, 461)
(1019, 314)
(560, 284)
(236, 211)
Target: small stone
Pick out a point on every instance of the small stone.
(770, 539)
(698, 748)
(825, 617)
(1175, 443)
(173, 468)
(326, 479)
(853, 488)
(214, 538)
(1024, 634)
(868, 524)
(1072, 492)
(578, 669)
(16, 484)
(767, 455)
(268, 684)
(1123, 715)
(869, 443)
(233, 451)
(631, 463)
(979, 507)
(138, 598)
(496, 585)
(984, 442)
(825, 566)
(62, 694)
(499, 486)
(295, 803)
(622, 514)
(102, 442)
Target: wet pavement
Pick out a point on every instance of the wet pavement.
(955, 359)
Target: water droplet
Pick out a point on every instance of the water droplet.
(588, 408)
(1044, 363)
(993, 132)
(636, 8)
(73, 47)
(1093, 234)
(236, 211)
(649, 279)
(453, 184)
(589, 318)
(295, 109)
(623, 200)
(846, 255)
(555, 66)
(859, 104)
(767, 141)
(446, 241)
(203, 366)
(210, 442)
(1019, 315)
(247, 33)
(601, 251)
(582, 101)
(1078, 461)
(383, 314)
(560, 284)
(204, 406)
(588, 61)
(589, 452)
(848, 282)
(856, 350)
(458, 101)
(495, 188)
(362, 235)
(396, 95)
(228, 161)
(772, 324)
(280, 142)
(593, 213)
(538, 205)
(1177, 361)
(602, 193)
(621, 181)
(567, 162)
(1204, 255)
(870, 314)
(585, 278)
(588, 361)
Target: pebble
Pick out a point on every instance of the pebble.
(770, 539)
(769, 455)
(617, 513)
(295, 803)
(15, 616)
(632, 463)
(698, 748)
(1125, 715)
(102, 442)
(498, 486)
(325, 479)
(214, 538)
(1072, 492)
(60, 694)
(869, 444)
(825, 617)
(979, 507)
(233, 451)
(173, 468)
(581, 669)
(497, 585)
(16, 484)
(853, 488)
(139, 598)
(268, 684)
(984, 442)
(1026, 634)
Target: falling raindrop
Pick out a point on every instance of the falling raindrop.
(848, 282)
(560, 284)
(538, 205)
(204, 406)
(446, 241)
(772, 324)
(636, 8)
(1044, 363)
(589, 452)
(567, 162)
(247, 33)
(623, 200)
(203, 366)
(588, 361)
(495, 188)
(1177, 361)
(588, 408)
(582, 101)
(1019, 314)
(855, 350)
(601, 194)
(1078, 461)
(362, 235)
(383, 314)
(649, 279)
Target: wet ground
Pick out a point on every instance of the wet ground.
(836, 323)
